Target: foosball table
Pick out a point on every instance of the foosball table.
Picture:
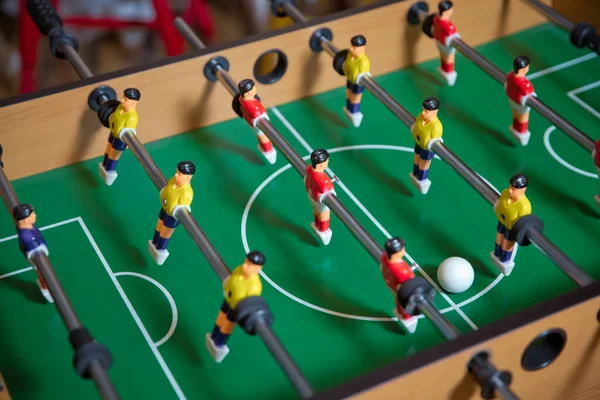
(448, 151)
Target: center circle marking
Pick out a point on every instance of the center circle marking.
(281, 170)
(559, 159)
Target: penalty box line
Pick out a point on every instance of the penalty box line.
(119, 288)
(307, 147)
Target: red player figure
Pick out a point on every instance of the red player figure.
(395, 273)
(519, 89)
(443, 32)
(318, 186)
(252, 111)
(596, 156)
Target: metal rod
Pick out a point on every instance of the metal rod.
(284, 147)
(292, 12)
(551, 14)
(328, 47)
(187, 32)
(502, 390)
(552, 116)
(42, 264)
(284, 360)
(76, 62)
(434, 315)
(384, 97)
(226, 81)
(147, 163)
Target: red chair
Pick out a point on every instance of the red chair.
(197, 11)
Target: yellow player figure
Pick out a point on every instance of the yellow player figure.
(356, 66)
(124, 117)
(510, 207)
(244, 282)
(177, 195)
(426, 130)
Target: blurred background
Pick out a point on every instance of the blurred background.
(115, 34)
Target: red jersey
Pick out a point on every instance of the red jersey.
(317, 183)
(597, 155)
(442, 29)
(395, 274)
(517, 87)
(251, 109)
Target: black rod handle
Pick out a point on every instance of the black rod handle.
(44, 15)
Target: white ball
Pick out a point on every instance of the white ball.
(455, 274)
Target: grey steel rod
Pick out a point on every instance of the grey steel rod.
(226, 81)
(380, 94)
(502, 390)
(292, 12)
(552, 116)
(284, 360)
(284, 147)
(62, 302)
(551, 14)
(187, 32)
(328, 47)
(76, 62)
(433, 314)
(147, 163)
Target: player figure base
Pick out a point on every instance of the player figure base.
(355, 118)
(523, 138)
(504, 267)
(597, 198)
(159, 256)
(217, 353)
(45, 292)
(410, 325)
(423, 185)
(449, 77)
(108, 177)
(270, 156)
(324, 236)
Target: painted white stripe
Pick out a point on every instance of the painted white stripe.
(573, 96)
(68, 221)
(16, 272)
(564, 65)
(304, 144)
(559, 159)
(170, 299)
(134, 314)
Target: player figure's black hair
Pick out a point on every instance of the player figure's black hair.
(519, 181)
(393, 245)
(358, 41)
(256, 257)
(444, 6)
(520, 62)
(431, 104)
(22, 211)
(1, 151)
(318, 157)
(245, 86)
(132, 94)
(186, 167)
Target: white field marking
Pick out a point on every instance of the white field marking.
(559, 159)
(134, 314)
(573, 95)
(19, 271)
(372, 218)
(169, 299)
(43, 228)
(564, 65)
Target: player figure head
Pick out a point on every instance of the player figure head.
(521, 65)
(247, 89)
(431, 106)
(394, 248)
(319, 159)
(358, 44)
(518, 186)
(25, 216)
(185, 172)
(445, 9)
(253, 263)
(131, 96)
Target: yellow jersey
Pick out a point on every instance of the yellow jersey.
(119, 120)
(237, 287)
(354, 67)
(423, 133)
(171, 196)
(509, 212)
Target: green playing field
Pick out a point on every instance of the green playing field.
(332, 309)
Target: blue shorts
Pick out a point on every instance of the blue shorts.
(168, 221)
(117, 143)
(228, 311)
(507, 233)
(424, 153)
(354, 88)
